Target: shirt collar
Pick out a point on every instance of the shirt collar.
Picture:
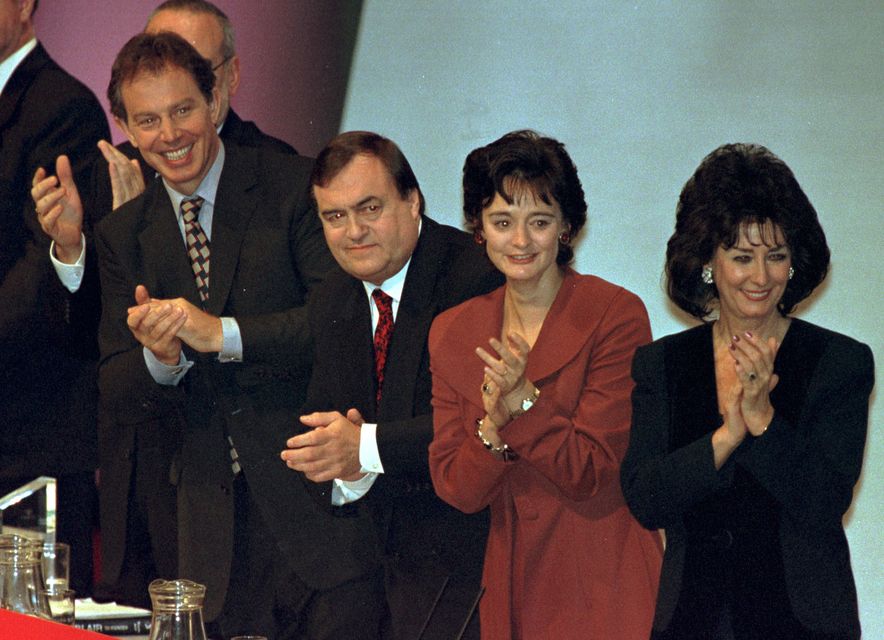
(8, 66)
(206, 190)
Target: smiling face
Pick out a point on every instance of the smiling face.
(169, 120)
(751, 276)
(370, 228)
(522, 238)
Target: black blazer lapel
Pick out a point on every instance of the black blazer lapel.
(354, 336)
(690, 372)
(416, 312)
(236, 203)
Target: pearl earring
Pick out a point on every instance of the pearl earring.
(791, 272)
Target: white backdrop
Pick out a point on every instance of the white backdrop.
(640, 92)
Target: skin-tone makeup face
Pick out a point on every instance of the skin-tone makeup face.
(370, 228)
(172, 124)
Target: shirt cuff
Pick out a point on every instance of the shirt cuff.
(231, 341)
(71, 275)
(369, 456)
(165, 374)
(344, 491)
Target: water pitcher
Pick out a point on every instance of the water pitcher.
(177, 610)
(21, 576)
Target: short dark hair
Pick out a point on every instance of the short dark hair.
(737, 185)
(228, 47)
(152, 53)
(338, 153)
(524, 158)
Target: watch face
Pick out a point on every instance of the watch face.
(527, 403)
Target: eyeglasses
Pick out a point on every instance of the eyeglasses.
(222, 63)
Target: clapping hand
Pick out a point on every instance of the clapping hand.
(505, 386)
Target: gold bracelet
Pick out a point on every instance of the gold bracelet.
(503, 450)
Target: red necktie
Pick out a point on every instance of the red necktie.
(382, 335)
(197, 245)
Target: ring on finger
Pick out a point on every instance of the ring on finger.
(486, 388)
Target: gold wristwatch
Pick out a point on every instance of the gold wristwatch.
(526, 403)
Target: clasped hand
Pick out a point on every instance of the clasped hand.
(748, 406)
(329, 450)
(163, 325)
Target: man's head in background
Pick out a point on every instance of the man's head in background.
(209, 31)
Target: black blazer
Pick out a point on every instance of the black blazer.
(807, 462)
(416, 528)
(47, 335)
(267, 253)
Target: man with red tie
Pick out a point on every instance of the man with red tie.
(368, 403)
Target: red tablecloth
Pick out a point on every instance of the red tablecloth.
(15, 626)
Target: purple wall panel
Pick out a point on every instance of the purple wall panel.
(294, 54)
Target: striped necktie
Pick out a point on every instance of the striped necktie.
(197, 245)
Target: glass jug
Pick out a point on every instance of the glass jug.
(21, 576)
(177, 610)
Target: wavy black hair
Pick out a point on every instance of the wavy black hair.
(737, 185)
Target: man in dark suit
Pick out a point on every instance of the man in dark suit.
(48, 353)
(218, 332)
(138, 504)
(372, 423)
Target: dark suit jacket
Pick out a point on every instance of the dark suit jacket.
(417, 529)
(47, 336)
(120, 439)
(564, 554)
(267, 252)
(808, 462)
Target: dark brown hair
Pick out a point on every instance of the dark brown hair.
(153, 53)
(344, 147)
(524, 159)
(737, 185)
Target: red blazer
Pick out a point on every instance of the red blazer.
(565, 559)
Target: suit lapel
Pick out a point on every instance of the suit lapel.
(235, 204)
(350, 341)
(690, 372)
(416, 312)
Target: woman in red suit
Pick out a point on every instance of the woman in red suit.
(531, 410)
